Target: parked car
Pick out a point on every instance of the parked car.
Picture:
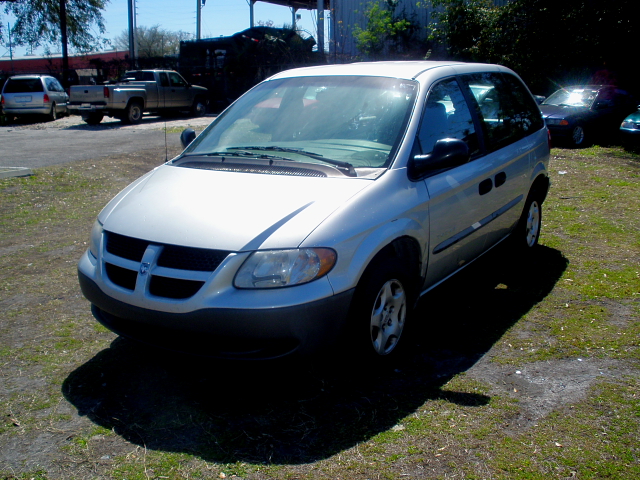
(579, 114)
(630, 128)
(34, 95)
(319, 207)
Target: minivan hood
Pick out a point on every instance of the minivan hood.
(226, 210)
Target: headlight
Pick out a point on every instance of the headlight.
(284, 268)
(94, 241)
(630, 125)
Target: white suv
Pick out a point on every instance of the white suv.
(319, 207)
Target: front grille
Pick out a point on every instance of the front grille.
(126, 247)
(185, 259)
(122, 277)
(173, 287)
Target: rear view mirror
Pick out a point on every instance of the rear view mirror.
(187, 136)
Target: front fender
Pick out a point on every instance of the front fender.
(347, 275)
(392, 208)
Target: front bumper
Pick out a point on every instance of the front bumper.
(226, 332)
(560, 131)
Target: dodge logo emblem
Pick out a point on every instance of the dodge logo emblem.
(144, 268)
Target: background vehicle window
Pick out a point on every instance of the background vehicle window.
(23, 85)
(52, 85)
(447, 116)
(57, 86)
(506, 108)
(177, 80)
(164, 80)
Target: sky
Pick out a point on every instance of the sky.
(219, 18)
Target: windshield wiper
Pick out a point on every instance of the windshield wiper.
(237, 154)
(336, 163)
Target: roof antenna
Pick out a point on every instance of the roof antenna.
(164, 101)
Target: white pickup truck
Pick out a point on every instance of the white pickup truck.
(137, 92)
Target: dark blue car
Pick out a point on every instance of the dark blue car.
(577, 115)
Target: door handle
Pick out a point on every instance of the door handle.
(485, 186)
(500, 179)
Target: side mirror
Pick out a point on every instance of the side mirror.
(447, 153)
(187, 136)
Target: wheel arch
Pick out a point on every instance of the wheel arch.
(398, 240)
(139, 100)
(541, 186)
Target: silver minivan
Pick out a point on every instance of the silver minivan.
(319, 207)
(34, 95)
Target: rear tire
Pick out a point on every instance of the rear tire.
(133, 113)
(53, 114)
(93, 119)
(527, 232)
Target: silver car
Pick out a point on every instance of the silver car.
(319, 207)
(34, 95)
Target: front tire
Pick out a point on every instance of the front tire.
(133, 113)
(380, 309)
(579, 137)
(199, 108)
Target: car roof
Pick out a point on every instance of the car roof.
(30, 76)
(401, 69)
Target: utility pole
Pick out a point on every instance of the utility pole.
(321, 28)
(132, 34)
(65, 51)
(199, 17)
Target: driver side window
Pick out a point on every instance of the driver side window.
(447, 115)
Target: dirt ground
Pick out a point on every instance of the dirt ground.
(514, 369)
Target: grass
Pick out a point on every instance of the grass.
(515, 370)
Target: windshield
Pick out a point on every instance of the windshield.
(574, 97)
(340, 120)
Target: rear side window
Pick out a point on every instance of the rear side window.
(23, 85)
(53, 85)
(507, 110)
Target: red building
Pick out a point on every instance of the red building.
(84, 65)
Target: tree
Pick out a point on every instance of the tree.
(385, 31)
(38, 23)
(548, 42)
(153, 41)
